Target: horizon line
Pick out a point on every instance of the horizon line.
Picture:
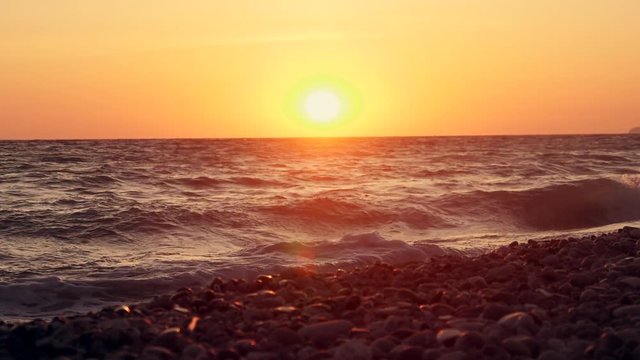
(308, 137)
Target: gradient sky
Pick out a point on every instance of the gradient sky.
(229, 68)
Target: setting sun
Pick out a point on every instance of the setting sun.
(322, 106)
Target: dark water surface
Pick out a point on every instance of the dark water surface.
(87, 223)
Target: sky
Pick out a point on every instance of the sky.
(168, 69)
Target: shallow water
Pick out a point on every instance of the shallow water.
(88, 223)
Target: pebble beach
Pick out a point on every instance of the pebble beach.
(572, 298)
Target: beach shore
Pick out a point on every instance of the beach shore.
(570, 298)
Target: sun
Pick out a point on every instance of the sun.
(322, 106)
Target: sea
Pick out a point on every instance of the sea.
(88, 224)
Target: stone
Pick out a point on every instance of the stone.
(521, 346)
(195, 351)
(325, 333)
(448, 337)
(495, 311)
(454, 355)
(582, 280)
(262, 355)
(431, 354)
(156, 352)
(627, 311)
(501, 273)
(550, 260)
(405, 352)
(477, 282)
(469, 340)
(285, 336)
(171, 339)
(551, 355)
(519, 322)
(353, 350)
(630, 281)
(382, 346)
(422, 339)
(245, 346)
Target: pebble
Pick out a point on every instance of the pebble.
(171, 339)
(551, 355)
(469, 340)
(422, 339)
(325, 333)
(406, 352)
(630, 281)
(285, 336)
(156, 352)
(495, 311)
(477, 282)
(448, 337)
(521, 346)
(353, 350)
(519, 322)
(454, 355)
(382, 346)
(627, 311)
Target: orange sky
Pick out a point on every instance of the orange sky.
(229, 68)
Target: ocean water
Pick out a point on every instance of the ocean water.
(85, 224)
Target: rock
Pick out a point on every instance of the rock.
(551, 355)
(353, 302)
(630, 281)
(627, 311)
(228, 354)
(394, 322)
(469, 340)
(520, 323)
(588, 295)
(382, 346)
(422, 339)
(550, 260)
(431, 354)
(495, 353)
(448, 337)
(325, 333)
(353, 350)
(262, 355)
(285, 336)
(156, 352)
(245, 346)
(405, 352)
(162, 302)
(197, 352)
(582, 280)
(501, 273)
(477, 282)
(454, 355)
(521, 346)
(495, 311)
(171, 339)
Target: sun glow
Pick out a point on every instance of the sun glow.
(322, 106)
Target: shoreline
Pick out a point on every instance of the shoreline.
(566, 298)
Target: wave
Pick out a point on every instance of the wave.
(204, 182)
(200, 182)
(52, 296)
(580, 204)
(331, 211)
(349, 251)
(119, 224)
